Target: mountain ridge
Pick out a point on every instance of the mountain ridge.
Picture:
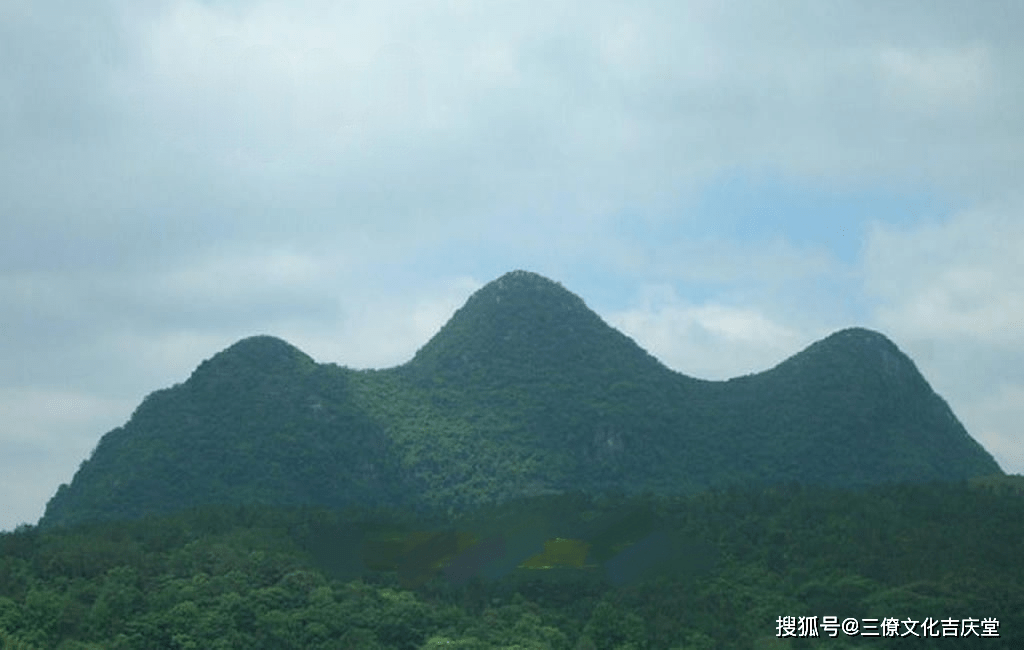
(524, 391)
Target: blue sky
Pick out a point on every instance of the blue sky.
(725, 182)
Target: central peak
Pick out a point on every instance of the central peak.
(524, 324)
(523, 296)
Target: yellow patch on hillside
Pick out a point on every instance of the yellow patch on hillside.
(559, 552)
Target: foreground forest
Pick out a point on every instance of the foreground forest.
(711, 570)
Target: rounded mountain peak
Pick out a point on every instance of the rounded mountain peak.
(261, 354)
(859, 336)
(859, 357)
(523, 324)
(860, 344)
(525, 289)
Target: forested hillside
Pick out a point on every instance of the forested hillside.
(524, 392)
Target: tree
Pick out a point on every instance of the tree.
(611, 627)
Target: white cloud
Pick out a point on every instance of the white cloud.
(937, 80)
(47, 433)
(241, 276)
(952, 292)
(709, 341)
(380, 331)
(961, 277)
(995, 419)
(717, 261)
(46, 417)
(608, 101)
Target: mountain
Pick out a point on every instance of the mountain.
(522, 327)
(259, 422)
(524, 392)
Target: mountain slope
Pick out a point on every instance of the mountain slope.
(525, 361)
(260, 422)
(524, 391)
(864, 415)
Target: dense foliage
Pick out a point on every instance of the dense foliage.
(524, 392)
(711, 570)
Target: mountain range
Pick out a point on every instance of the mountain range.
(524, 392)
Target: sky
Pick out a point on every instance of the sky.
(724, 182)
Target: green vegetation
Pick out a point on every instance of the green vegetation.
(524, 392)
(262, 577)
(530, 480)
